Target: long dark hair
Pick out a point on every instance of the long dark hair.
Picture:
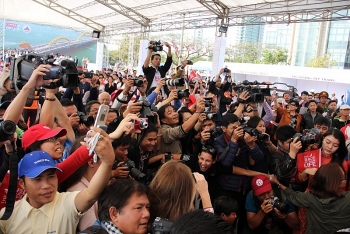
(339, 155)
(327, 180)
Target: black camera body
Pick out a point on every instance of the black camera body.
(256, 93)
(227, 70)
(138, 82)
(85, 119)
(134, 172)
(216, 132)
(7, 129)
(183, 93)
(146, 112)
(308, 137)
(161, 226)
(22, 69)
(276, 203)
(157, 46)
(255, 132)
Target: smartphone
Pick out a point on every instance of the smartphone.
(167, 156)
(101, 117)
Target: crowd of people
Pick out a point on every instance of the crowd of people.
(172, 155)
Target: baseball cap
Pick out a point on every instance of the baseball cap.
(344, 107)
(5, 104)
(323, 94)
(40, 132)
(261, 184)
(34, 163)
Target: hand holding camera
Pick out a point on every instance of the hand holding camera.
(120, 171)
(250, 140)
(295, 146)
(205, 135)
(200, 105)
(266, 207)
(36, 79)
(126, 126)
(237, 133)
(172, 95)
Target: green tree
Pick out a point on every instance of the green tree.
(121, 55)
(274, 56)
(323, 61)
(245, 52)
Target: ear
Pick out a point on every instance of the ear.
(91, 163)
(21, 183)
(113, 214)
(163, 120)
(223, 216)
(279, 142)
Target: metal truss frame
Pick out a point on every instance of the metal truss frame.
(125, 11)
(70, 14)
(206, 19)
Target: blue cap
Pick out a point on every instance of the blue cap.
(35, 163)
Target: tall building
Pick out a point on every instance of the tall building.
(339, 43)
(250, 33)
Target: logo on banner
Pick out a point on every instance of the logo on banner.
(12, 26)
(26, 29)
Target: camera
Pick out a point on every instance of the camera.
(256, 94)
(227, 70)
(216, 132)
(175, 82)
(207, 102)
(189, 62)
(276, 203)
(308, 137)
(161, 226)
(22, 69)
(134, 172)
(141, 125)
(7, 129)
(138, 82)
(85, 119)
(255, 132)
(157, 46)
(146, 112)
(183, 94)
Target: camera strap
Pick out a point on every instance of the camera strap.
(12, 189)
(129, 98)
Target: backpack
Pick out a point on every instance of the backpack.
(94, 229)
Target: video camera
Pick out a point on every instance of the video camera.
(22, 69)
(308, 137)
(161, 226)
(256, 93)
(7, 129)
(276, 203)
(157, 46)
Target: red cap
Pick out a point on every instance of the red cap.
(40, 132)
(261, 184)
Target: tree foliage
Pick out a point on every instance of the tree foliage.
(274, 56)
(121, 54)
(245, 52)
(324, 61)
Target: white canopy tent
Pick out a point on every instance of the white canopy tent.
(116, 16)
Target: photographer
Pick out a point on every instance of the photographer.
(155, 72)
(289, 115)
(283, 162)
(264, 217)
(171, 131)
(233, 148)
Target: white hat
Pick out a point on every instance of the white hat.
(344, 107)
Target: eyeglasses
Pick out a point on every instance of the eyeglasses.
(345, 177)
(208, 149)
(292, 104)
(52, 139)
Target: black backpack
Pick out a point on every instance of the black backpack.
(95, 229)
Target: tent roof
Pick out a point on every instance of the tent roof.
(130, 16)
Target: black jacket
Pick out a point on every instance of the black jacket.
(151, 71)
(284, 167)
(308, 122)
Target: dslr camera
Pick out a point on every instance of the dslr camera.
(255, 132)
(7, 129)
(147, 115)
(138, 82)
(183, 94)
(276, 203)
(134, 172)
(161, 226)
(216, 132)
(157, 46)
(85, 119)
(308, 137)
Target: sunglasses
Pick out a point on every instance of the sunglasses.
(208, 149)
(52, 139)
